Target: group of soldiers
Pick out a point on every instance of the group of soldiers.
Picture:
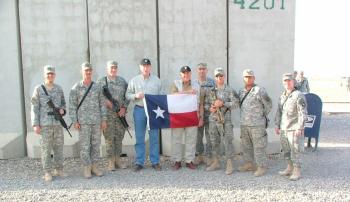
(102, 106)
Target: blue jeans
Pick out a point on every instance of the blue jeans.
(140, 122)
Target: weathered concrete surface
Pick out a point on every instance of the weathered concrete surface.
(190, 32)
(11, 119)
(52, 32)
(262, 40)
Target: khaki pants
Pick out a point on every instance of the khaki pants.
(190, 136)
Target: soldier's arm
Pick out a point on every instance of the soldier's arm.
(35, 108)
(101, 101)
(126, 102)
(63, 101)
(73, 104)
(233, 102)
(302, 111)
(278, 115)
(266, 101)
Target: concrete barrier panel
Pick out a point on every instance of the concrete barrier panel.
(11, 119)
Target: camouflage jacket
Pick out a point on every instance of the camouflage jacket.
(303, 85)
(291, 112)
(209, 83)
(92, 110)
(40, 110)
(117, 88)
(228, 96)
(255, 107)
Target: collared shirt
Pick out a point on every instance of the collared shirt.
(92, 110)
(292, 111)
(40, 108)
(255, 107)
(151, 85)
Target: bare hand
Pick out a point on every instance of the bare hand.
(278, 131)
(218, 103)
(61, 111)
(299, 133)
(201, 123)
(140, 95)
(77, 126)
(212, 109)
(109, 104)
(103, 125)
(37, 129)
(122, 112)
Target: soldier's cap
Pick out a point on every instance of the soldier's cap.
(184, 69)
(219, 71)
(112, 63)
(145, 61)
(248, 72)
(49, 69)
(288, 76)
(202, 65)
(86, 65)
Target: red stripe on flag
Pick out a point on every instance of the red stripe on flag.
(183, 120)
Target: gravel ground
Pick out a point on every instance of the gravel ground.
(325, 178)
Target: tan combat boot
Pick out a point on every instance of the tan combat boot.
(111, 164)
(215, 165)
(296, 174)
(96, 171)
(209, 161)
(260, 171)
(199, 159)
(59, 173)
(288, 171)
(247, 166)
(48, 177)
(229, 167)
(87, 172)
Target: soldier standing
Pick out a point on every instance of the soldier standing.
(184, 86)
(302, 84)
(145, 83)
(45, 125)
(290, 120)
(89, 115)
(115, 130)
(255, 106)
(223, 99)
(204, 82)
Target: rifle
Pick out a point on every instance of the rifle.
(116, 108)
(58, 116)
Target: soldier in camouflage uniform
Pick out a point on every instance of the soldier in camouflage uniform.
(115, 131)
(205, 83)
(290, 120)
(89, 119)
(255, 106)
(223, 99)
(302, 84)
(45, 125)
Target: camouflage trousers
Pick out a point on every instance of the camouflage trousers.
(90, 141)
(51, 140)
(254, 143)
(218, 133)
(114, 135)
(204, 130)
(292, 146)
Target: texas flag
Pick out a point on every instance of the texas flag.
(171, 111)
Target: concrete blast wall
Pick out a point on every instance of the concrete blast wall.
(230, 34)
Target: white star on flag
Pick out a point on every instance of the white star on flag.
(159, 112)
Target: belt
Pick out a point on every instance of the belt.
(50, 113)
(139, 106)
